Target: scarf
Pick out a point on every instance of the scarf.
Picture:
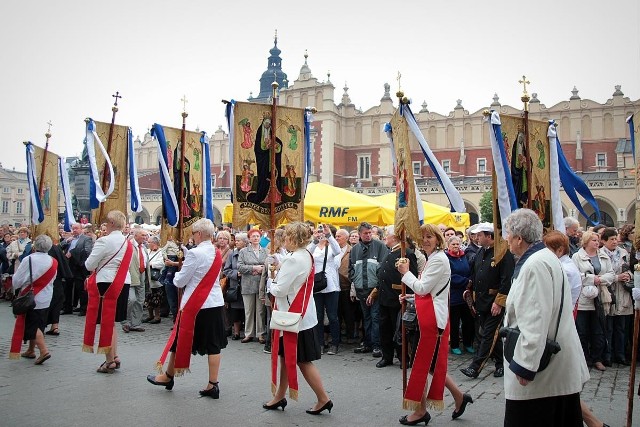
(38, 285)
(458, 254)
(290, 339)
(186, 320)
(430, 346)
(616, 258)
(108, 301)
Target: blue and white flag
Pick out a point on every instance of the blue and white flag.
(169, 201)
(506, 195)
(632, 133)
(97, 194)
(66, 192)
(572, 183)
(207, 202)
(554, 177)
(452, 193)
(136, 203)
(308, 118)
(229, 114)
(37, 213)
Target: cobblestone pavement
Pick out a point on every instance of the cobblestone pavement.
(66, 390)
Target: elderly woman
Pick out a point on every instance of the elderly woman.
(251, 265)
(200, 323)
(108, 290)
(597, 273)
(233, 296)
(459, 311)
(539, 306)
(272, 263)
(15, 250)
(38, 269)
(156, 296)
(432, 307)
(292, 289)
(325, 248)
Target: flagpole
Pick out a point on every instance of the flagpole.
(525, 98)
(42, 171)
(403, 253)
(636, 311)
(272, 153)
(105, 169)
(183, 135)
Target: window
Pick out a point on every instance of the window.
(5, 206)
(364, 167)
(601, 160)
(18, 208)
(213, 181)
(482, 165)
(417, 169)
(20, 190)
(5, 189)
(446, 166)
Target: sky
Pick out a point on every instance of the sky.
(63, 60)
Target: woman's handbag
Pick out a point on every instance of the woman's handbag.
(26, 301)
(320, 279)
(155, 274)
(233, 293)
(510, 337)
(285, 321)
(410, 317)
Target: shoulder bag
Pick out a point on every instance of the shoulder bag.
(155, 272)
(290, 321)
(320, 278)
(26, 300)
(510, 338)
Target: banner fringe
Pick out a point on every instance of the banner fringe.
(293, 394)
(410, 405)
(87, 348)
(14, 356)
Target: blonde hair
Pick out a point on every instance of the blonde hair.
(117, 219)
(434, 231)
(586, 237)
(298, 234)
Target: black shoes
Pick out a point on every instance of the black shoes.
(470, 372)
(382, 363)
(362, 349)
(466, 398)
(622, 362)
(213, 392)
(168, 384)
(282, 403)
(376, 352)
(424, 419)
(327, 406)
(499, 372)
(154, 321)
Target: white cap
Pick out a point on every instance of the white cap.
(484, 226)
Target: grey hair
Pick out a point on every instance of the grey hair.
(243, 237)
(452, 239)
(570, 221)
(205, 227)
(42, 243)
(154, 239)
(343, 231)
(526, 224)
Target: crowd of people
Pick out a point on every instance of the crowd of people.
(576, 287)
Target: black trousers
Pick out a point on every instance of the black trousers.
(388, 322)
(557, 411)
(74, 293)
(489, 326)
(346, 313)
(461, 313)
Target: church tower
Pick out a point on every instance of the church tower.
(274, 71)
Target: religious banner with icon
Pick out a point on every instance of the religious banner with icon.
(46, 166)
(118, 153)
(251, 177)
(188, 198)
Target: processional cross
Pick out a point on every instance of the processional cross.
(524, 82)
(398, 79)
(116, 96)
(184, 103)
(50, 124)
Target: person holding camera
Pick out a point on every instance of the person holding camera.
(539, 307)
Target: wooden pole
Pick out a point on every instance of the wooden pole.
(273, 188)
(183, 150)
(403, 253)
(105, 169)
(632, 373)
(42, 172)
(525, 98)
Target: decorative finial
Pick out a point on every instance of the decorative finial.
(48, 134)
(618, 92)
(424, 107)
(306, 55)
(399, 93)
(115, 103)
(574, 93)
(328, 76)
(346, 88)
(275, 38)
(486, 112)
(534, 98)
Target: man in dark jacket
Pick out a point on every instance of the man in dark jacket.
(491, 283)
(389, 289)
(77, 249)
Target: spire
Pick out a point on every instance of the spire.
(274, 68)
(305, 71)
(345, 96)
(496, 100)
(387, 95)
(424, 107)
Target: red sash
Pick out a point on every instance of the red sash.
(186, 320)
(18, 330)
(109, 302)
(290, 339)
(430, 339)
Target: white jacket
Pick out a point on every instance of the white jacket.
(607, 277)
(103, 249)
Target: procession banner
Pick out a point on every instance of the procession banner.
(118, 153)
(251, 176)
(48, 192)
(189, 204)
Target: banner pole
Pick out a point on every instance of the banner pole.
(105, 169)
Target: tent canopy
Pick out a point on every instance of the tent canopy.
(433, 214)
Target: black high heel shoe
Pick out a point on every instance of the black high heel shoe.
(327, 406)
(168, 384)
(466, 398)
(281, 403)
(213, 392)
(424, 419)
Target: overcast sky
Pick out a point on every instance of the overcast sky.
(62, 60)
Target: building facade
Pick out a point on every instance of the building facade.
(14, 197)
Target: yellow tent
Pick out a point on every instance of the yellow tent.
(433, 214)
(326, 204)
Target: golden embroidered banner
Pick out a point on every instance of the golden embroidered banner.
(634, 130)
(529, 167)
(251, 180)
(406, 215)
(47, 174)
(119, 158)
(190, 196)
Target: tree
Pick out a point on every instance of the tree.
(486, 207)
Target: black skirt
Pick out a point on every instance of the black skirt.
(558, 411)
(309, 347)
(121, 303)
(34, 320)
(209, 335)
